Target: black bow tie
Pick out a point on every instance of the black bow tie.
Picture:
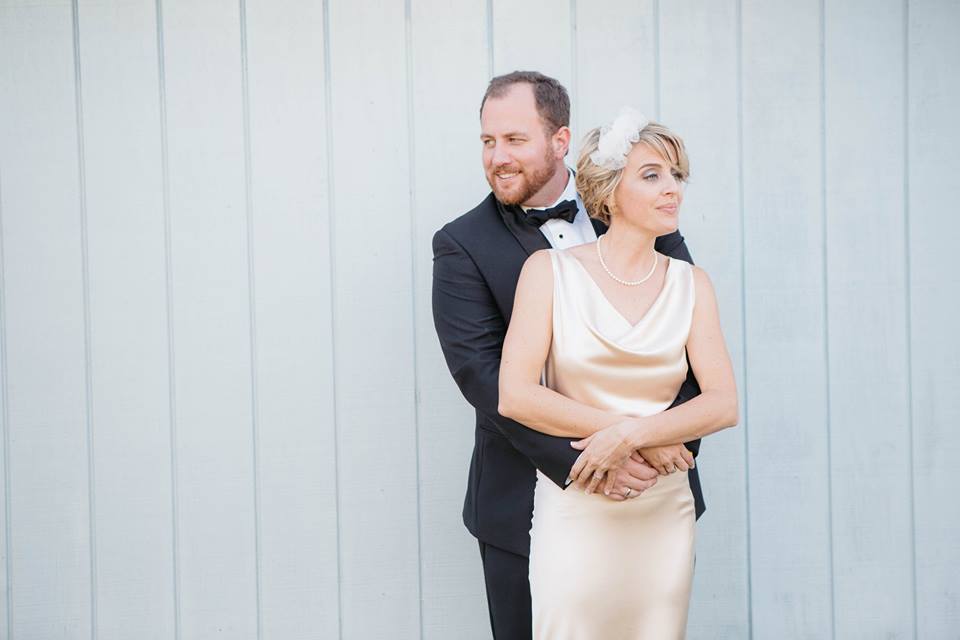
(566, 210)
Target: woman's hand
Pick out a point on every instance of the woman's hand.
(629, 481)
(666, 460)
(601, 452)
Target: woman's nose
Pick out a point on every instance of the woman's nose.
(671, 184)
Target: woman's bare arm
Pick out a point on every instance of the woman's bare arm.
(714, 409)
(525, 350)
(716, 406)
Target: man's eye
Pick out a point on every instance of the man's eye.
(488, 143)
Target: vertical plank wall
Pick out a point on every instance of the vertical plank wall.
(224, 412)
(870, 427)
(443, 107)
(932, 162)
(289, 227)
(374, 356)
(215, 469)
(47, 417)
(786, 412)
(698, 52)
(133, 550)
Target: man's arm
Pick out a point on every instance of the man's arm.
(471, 331)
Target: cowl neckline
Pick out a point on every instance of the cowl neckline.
(594, 287)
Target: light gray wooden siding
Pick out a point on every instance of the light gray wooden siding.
(224, 410)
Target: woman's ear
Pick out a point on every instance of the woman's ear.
(611, 205)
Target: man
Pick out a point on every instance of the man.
(525, 133)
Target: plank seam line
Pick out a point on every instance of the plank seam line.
(825, 314)
(745, 414)
(656, 59)
(85, 279)
(171, 344)
(411, 178)
(490, 59)
(5, 427)
(908, 306)
(331, 244)
(252, 310)
(574, 78)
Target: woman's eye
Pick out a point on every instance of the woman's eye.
(650, 177)
(678, 176)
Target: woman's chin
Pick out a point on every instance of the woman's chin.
(669, 226)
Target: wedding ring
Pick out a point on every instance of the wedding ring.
(671, 469)
(598, 475)
(626, 494)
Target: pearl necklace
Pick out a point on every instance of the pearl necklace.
(629, 283)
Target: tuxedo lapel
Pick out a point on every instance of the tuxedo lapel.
(529, 236)
(598, 227)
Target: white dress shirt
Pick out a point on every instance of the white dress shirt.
(562, 234)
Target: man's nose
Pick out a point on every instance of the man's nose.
(500, 156)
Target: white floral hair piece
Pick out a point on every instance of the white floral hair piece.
(617, 139)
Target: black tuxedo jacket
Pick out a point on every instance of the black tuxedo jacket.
(476, 265)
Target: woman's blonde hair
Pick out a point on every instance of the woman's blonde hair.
(596, 184)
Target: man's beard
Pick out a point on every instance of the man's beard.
(533, 182)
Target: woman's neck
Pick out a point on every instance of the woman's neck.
(628, 251)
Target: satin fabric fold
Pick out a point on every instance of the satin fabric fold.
(598, 568)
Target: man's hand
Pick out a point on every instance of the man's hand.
(630, 480)
(666, 460)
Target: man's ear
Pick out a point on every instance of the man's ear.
(561, 141)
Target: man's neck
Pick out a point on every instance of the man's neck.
(551, 191)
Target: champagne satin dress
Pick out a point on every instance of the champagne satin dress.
(601, 569)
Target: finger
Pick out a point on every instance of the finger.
(586, 470)
(688, 456)
(637, 458)
(680, 464)
(581, 444)
(643, 472)
(577, 468)
(643, 486)
(594, 481)
(595, 478)
(634, 487)
(609, 482)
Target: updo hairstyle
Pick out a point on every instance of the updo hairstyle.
(596, 184)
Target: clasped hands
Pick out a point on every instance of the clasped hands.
(610, 456)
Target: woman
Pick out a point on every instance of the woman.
(611, 325)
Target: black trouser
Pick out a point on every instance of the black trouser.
(508, 593)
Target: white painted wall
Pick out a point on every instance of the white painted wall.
(224, 411)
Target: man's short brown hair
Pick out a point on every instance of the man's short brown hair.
(553, 103)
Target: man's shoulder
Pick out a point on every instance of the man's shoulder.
(482, 215)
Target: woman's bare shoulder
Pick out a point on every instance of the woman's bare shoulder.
(538, 267)
(700, 277)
